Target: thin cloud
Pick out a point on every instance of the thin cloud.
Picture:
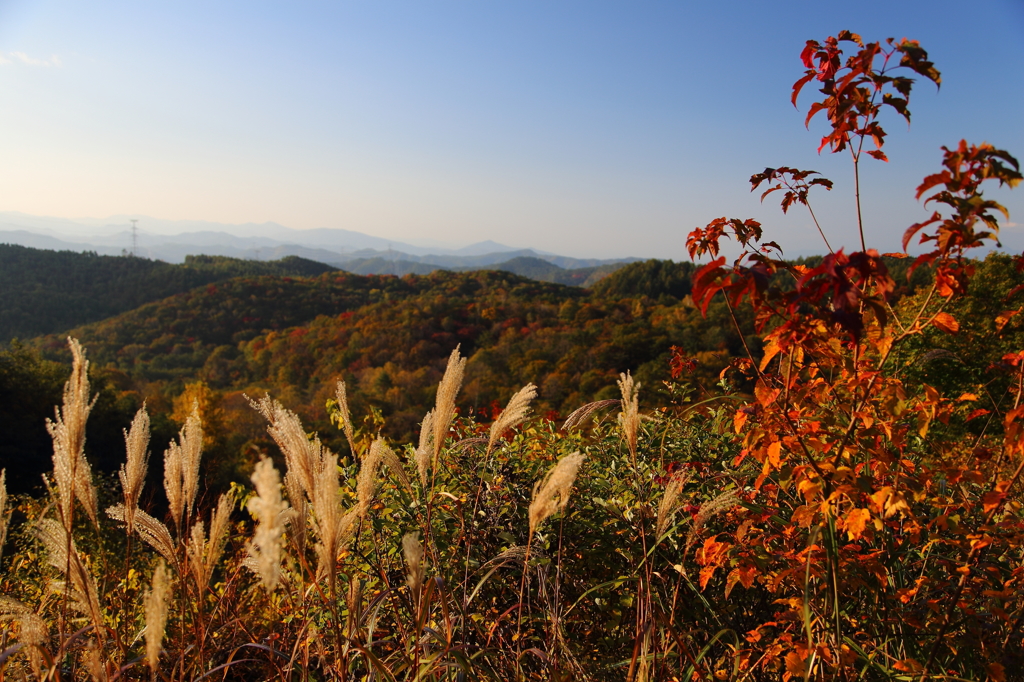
(22, 58)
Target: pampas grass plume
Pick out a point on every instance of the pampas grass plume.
(133, 471)
(366, 481)
(412, 548)
(551, 494)
(425, 449)
(346, 417)
(629, 418)
(71, 470)
(4, 514)
(155, 602)
(513, 415)
(711, 508)
(670, 502)
(447, 390)
(268, 508)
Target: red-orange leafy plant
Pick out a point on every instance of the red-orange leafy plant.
(883, 523)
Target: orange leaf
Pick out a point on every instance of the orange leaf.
(996, 671)
(992, 500)
(946, 323)
(766, 396)
(856, 521)
(1004, 317)
(739, 419)
(795, 664)
(775, 454)
(908, 665)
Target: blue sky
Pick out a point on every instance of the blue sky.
(584, 128)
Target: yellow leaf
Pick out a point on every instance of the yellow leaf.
(770, 351)
(856, 521)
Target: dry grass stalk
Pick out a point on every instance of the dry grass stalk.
(79, 585)
(71, 470)
(354, 598)
(412, 548)
(155, 601)
(5, 516)
(444, 408)
(513, 415)
(153, 532)
(366, 481)
(173, 468)
(35, 635)
(133, 471)
(92, 657)
(299, 512)
(551, 494)
(629, 418)
(425, 449)
(391, 461)
(581, 414)
(204, 553)
(333, 528)
(670, 501)
(181, 468)
(269, 510)
(304, 458)
(722, 503)
(191, 441)
(346, 417)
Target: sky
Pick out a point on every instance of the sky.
(589, 129)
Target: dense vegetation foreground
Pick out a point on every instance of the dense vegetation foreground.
(841, 502)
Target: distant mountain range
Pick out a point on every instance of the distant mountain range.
(172, 241)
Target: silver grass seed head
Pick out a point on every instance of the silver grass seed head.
(707, 511)
(5, 516)
(670, 502)
(447, 391)
(155, 601)
(366, 481)
(425, 449)
(191, 440)
(268, 508)
(346, 416)
(629, 418)
(133, 471)
(71, 471)
(304, 458)
(390, 460)
(153, 532)
(35, 635)
(173, 470)
(517, 410)
(63, 555)
(412, 549)
(551, 494)
(92, 657)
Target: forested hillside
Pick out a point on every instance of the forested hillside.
(50, 291)
(386, 336)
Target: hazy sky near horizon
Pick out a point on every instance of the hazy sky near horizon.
(591, 129)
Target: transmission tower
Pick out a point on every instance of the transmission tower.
(135, 238)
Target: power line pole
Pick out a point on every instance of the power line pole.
(135, 238)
